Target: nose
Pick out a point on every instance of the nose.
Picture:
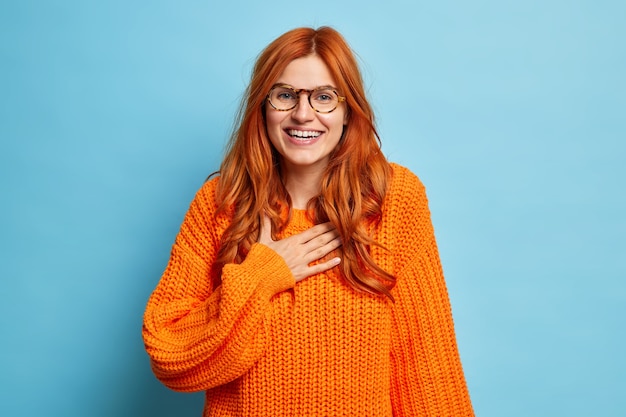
(303, 112)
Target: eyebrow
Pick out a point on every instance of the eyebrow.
(332, 87)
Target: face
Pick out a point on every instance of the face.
(303, 137)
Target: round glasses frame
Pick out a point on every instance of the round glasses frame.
(309, 94)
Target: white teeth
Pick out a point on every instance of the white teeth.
(304, 133)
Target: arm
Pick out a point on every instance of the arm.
(198, 338)
(427, 376)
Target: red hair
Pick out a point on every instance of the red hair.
(354, 183)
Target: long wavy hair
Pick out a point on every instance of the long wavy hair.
(354, 183)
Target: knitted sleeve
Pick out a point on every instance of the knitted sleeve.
(427, 376)
(198, 338)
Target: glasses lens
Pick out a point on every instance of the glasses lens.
(324, 100)
(283, 98)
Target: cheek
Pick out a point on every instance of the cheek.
(335, 122)
(272, 126)
(273, 122)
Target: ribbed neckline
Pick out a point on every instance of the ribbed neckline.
(299, 216)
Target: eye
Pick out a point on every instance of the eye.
(284, 94)
(324, 96)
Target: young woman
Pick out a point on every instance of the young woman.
(305, 279)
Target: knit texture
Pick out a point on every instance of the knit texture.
(262, 345)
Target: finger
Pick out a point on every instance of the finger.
(321, 240)
(319, 252)
(316, 231)
(318, 268)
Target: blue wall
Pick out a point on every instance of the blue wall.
(513, 113)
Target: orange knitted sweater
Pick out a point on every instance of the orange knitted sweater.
(261, 345)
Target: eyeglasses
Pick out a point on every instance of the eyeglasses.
(321, 99)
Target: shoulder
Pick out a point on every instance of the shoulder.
(406, 227)
(208, 190)
(203, 209)
(205, 199)
(202, 225)
(405, 187)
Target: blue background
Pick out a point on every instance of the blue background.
(513, 113)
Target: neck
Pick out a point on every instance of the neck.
(303, 184)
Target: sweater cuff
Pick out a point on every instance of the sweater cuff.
(271, 267)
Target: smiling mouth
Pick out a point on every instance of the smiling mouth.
(303, 134)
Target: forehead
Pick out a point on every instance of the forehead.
(307, 72)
